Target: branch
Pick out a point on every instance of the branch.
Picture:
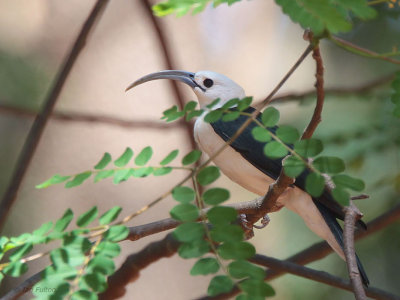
(269, 203)
(130, 269)
(313, 253)
(90, 118)
(167, 56)
(41, 119)
(362, 51)
(351, 216)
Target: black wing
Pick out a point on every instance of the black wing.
(253, 152)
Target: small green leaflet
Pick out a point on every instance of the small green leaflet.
(275, 150)
(105, 160)
(341, 196)
(270, 116)
(237, 250)
(188, 232)
(257, 288)
(110, 215)
(124, 159)
(329, 164)
(144, 156)
(208, 175)
(242, 268)
(287, 134)
(193, 249)
(213, 116)
(205, 266)
(185, 212)
(219, 284)
(261, 134)
(53, 180)
(346, 181)
(64, 221)
(183, 194)
(87, 217)
(244, 103)
(191, 157)
(308, 147)
(169, 158)
(109, 249)
(219, 215)
(215, 196)
(227, 233)
(293, 166)
(315, 184)
(78, 179)
(116, 233)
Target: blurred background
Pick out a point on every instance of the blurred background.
(251, 42)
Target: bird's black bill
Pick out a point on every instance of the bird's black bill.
(182, 76)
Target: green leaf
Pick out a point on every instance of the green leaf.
(170, 157)
(346, 181)
(288, 134)
(87, 217)
(21, 252)
(116, 233)
(238, 250)
(257, 288)
(172, 114)
(124, 159)
(183, 194)
(270, 116)
(227, 233)
(213, 103)
(215, 196)
(59, 257)
(193, 249)
(144, 156)
(75, 257)
(104, 161)
(64, 221)
(208, 175)
(308, 148)
(220, 215)
(78, 179)
(191, 157)
(242, 268)
(162, 171)
(329, 164)
(140, 172)
(103, 175)
(341, 196)
(191, 105)
(293, 166)
(230, 103)
(84, 295)
(194, 114)
(109, 249)
(53, 180)
(51, 289)
(185, 212)
(110, 215)
(220, 284)
(261, 134)
(121, 175)
(188, 232)
(213, 116)
(15, 269)
(101, 264)
(205, 266)
(230, 116)
(61, 273)
(315, 184)
(244, 103)
(77, 243)
(42, 230)
(94, 281)
(275, 150)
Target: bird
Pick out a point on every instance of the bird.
(244, 161)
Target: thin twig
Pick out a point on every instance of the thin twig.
(93, 119)
(167, 56)
(360, 50)
(40, 122)
(351, 216)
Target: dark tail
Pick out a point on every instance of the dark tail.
(337, 231)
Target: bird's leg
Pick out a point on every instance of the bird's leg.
(248, 230)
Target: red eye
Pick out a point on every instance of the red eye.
(208, 83)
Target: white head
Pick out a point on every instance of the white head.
(207, 85)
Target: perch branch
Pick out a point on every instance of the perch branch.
(41, 119)
(351, 216)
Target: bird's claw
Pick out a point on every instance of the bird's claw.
(264, 222)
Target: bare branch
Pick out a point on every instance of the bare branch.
(41, 119)
(351, 216)
(91, 118)
(130, 269)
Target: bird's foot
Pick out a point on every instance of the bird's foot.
(264, 222)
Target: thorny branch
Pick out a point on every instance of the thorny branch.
(41, 119)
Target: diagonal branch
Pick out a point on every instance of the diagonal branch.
(41, 119)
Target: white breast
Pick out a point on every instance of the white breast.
(239, 170)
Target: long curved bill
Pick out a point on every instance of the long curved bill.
(182, 76)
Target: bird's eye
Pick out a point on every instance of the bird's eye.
(208, 83)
